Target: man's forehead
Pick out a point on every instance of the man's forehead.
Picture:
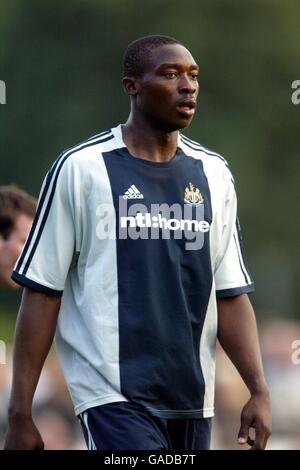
(171, 54)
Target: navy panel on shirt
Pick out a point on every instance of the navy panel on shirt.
(164, 290)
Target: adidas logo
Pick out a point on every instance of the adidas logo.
(133, 193)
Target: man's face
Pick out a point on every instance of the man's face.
(168, 89)
(10, 249)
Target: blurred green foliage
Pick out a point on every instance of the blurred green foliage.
(62, 66)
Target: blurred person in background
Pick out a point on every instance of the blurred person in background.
(136, 318)
(17, 210)
(283, 376)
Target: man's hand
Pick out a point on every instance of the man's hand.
(237, 333)
(256, 414)
(22, 434)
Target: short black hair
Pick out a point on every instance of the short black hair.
(137, 52)
(14, 202)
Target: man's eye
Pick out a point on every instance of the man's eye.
(195, 76)
(170, 74)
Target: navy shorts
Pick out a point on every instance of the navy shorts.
(128, 426)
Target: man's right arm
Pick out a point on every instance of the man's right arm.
(34, 335)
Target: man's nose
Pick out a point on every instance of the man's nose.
(188, 85)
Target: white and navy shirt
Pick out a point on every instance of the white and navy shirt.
(138, 317)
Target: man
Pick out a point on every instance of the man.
(137, 289)
(17, 210)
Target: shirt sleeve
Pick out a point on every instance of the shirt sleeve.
(232, 276)
(49, 249)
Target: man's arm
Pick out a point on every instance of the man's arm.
(237, 333)
(35, 330)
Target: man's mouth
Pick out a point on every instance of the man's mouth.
(186, 107)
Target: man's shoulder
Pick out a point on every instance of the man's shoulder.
(197, 150)
(89, 144)
(86, 150)
(216, 166)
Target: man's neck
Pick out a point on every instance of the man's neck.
(148, 143)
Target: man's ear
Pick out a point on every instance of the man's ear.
(130, 85)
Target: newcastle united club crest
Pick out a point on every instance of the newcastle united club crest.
(192, 195)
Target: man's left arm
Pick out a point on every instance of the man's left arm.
(237, 334)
